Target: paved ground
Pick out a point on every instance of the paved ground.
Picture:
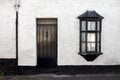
(63, 77)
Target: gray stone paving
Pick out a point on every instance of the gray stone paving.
(63, 77)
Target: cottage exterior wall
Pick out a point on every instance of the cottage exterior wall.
(67, 12)
(7, 29)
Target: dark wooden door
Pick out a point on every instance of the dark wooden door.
(47, 42)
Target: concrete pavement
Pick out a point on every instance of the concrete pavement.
(63, 77)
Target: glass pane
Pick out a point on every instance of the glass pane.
(83, 28)
(98, 37)
(91, 37)
(98, 26)
(98, 47)
(83, 36)
(90, 46)
(83, 47)
(91, 25)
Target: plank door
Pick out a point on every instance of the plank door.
(47, 42)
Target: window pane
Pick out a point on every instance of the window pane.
(98, 26)
(83, 28)
(91, 25)
(98, 36)
(91, 37)
(83, 36)
(90, 46)
(98, 47)
(83, 47)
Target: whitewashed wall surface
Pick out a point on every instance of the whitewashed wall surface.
(7, 29)
(67, 12)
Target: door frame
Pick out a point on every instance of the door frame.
(56, 57)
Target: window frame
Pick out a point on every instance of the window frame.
(96, 32)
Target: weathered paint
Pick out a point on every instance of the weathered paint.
(7, 29)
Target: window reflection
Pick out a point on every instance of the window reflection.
(83, 25)
(90, 46)
(83, 47)
(91, 37)
(91, 25)
(83, 36)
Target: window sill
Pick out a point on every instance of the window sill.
(90, 56)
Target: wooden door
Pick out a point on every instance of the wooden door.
(47, 42)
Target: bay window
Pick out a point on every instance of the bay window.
(90, 34)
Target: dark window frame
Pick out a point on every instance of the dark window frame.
(96, 32)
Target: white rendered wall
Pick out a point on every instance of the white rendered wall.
(67, 12)
(7, 29)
